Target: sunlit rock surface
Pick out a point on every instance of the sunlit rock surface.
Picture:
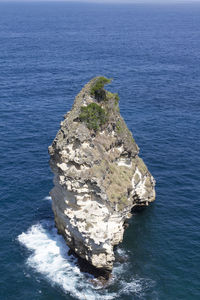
(99, 178)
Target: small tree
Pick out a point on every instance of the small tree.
(97, 89)
(93, 115)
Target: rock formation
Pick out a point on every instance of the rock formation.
(99, 177)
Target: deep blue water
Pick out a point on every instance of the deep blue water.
(48, 52)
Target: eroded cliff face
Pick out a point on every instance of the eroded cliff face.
(99, 176)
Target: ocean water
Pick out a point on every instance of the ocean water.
(48, 51)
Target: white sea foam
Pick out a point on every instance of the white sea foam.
(49, 257)
(47, 198)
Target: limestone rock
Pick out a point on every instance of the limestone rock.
(99, 176)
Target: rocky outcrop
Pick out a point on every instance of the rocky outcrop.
(99, 177)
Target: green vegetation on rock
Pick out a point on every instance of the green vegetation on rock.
(117, 180)
(97, 89)
(119, 126)
(109, 95)
(93, 115)
(117, 183)
(114, 96)
(99, 84)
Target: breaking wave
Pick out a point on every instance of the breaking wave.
(47, 198)
(49, 257)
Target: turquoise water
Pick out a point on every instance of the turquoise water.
(48, 52)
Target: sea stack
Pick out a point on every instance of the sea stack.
(98, 176)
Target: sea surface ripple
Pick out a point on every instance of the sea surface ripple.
(48, 51)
